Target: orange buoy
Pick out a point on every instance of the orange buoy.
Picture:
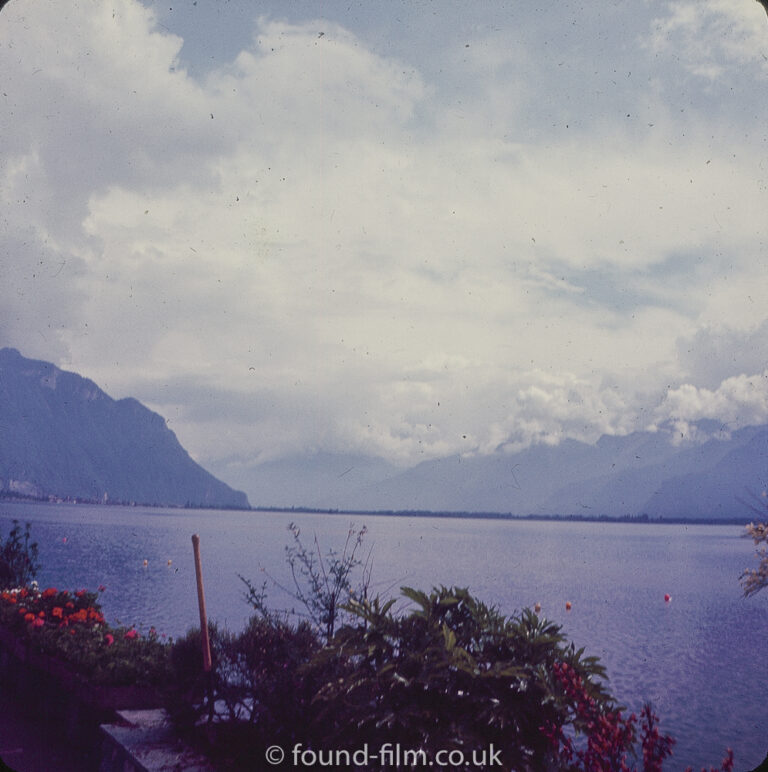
(568, 605)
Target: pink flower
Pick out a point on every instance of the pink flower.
(131, 634)
(38, 622)
(109, 638)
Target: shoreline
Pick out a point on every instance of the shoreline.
(425, 513)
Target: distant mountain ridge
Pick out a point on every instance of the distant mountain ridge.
(62, 436)
(643, 473)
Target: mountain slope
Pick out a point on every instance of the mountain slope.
(61, 435)
(730, 483)
(643, 473)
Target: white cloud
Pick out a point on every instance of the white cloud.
(352, 255)
(712, 38)
(714, 352)
(740, 400)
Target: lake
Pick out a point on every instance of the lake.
(699, 659)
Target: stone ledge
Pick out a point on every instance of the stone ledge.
(144, 741)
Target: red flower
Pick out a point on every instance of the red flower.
(38, 623)
(57, 611)
(80, 593)
(29, 617)
(50, 592)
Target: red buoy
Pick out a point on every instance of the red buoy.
(667, 597)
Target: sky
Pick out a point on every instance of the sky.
(400, 230)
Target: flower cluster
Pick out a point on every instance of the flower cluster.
(49, 608)
(609, 737)
(70, 626)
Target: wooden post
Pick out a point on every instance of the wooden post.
(201, 603)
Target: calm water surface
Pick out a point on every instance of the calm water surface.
(700, 659)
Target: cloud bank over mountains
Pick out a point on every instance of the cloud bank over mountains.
(405, 232)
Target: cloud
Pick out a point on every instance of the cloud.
(712, 354)
(738, 401)
(317, 243)
(712, 38)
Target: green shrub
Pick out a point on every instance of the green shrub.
(322, 585)
(18, 558)
(190, 689)
(454, 673)
(267, 668)
(263, 682)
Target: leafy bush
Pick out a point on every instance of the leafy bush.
(266, 668)
(456, 674)
(18, 558)
(453, 675)
(190, 689)
(263, 682)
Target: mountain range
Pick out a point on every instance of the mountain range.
(654, 474)
(61, 436)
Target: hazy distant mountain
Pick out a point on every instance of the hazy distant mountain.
(61, 435)
(641, 473)
(320, 480)
(706, 486)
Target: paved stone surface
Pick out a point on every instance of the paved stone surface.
(145, 740)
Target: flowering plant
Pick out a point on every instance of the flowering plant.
(755, 579)
(71, 627)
